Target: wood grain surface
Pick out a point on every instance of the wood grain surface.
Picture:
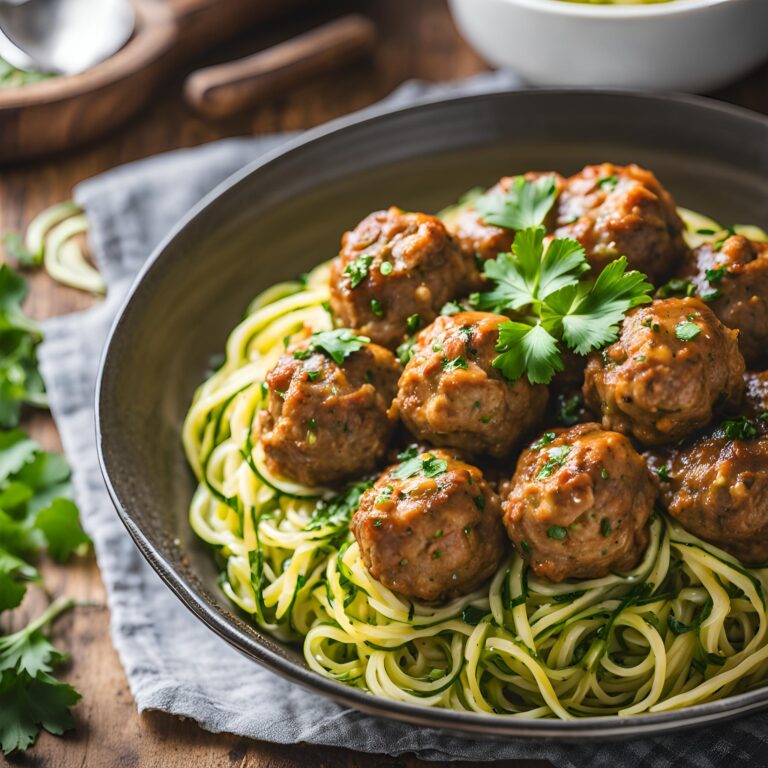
(416, 39)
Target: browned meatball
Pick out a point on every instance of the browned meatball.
(450, 394)
(734, 282)
(615, 210)
(486, 241)
(325, 421)
(394, 273)
(430, 528)
(673, 363)
(717, 488)
(579, 503)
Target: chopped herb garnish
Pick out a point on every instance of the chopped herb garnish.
(456, 363)
(437, 554)
(480, 502)
(715, 275)
(557, 457)
(640, 358)
(568, 409)
(676, 287)
(405, 351)
(337, 512)
(412, 323)
(545, 439)
(525, 546)
(357, 269)
(604, 473)
(312, 375)
(740, 428)
(451, 308)
(663, 473)
(301, 354)
(485, 419)
(377, 308)
(312, 425)
(605, 527)
(609, 182)
(378, 523)
(711, 295)
(385, 495)
(686, 331)
(337, 344)
(557, 532)
(412, 463)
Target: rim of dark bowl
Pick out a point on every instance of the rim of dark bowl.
(469, 723)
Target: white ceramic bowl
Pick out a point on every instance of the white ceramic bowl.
(683, 45)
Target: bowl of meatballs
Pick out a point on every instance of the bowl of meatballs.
(500, 464)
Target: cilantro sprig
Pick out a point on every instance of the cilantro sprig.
(549, 290)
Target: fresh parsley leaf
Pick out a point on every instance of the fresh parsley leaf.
(526, 203)
(590, 315)
(529, 349)
(531, 272)
(715, 275)
(337, 512)
(451, 308)
(413, 463)
(454, 364)
(60, 524)
(686, 331)
(357, 269)
(545, 439)
(30, 698)
(557, 532)
(20, 380)
(337, 344)
(405, 351)
(431, 466)
(556, 458)
(740, 428)
(676, 287)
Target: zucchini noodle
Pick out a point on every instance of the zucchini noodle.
(687, 625)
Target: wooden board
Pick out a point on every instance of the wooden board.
(417, 40)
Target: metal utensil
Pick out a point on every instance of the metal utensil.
(63, 37)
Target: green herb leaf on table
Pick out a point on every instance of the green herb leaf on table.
(33, 515)
(337, 344)
(20, 380)
(526, 203)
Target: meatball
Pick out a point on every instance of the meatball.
(717, 488)
(394, 273)
(486, 241)
(734, 281)
(430, 528)
(673, 363)
(614, 211)
(325, 421)
(579, 503)
(450, 394)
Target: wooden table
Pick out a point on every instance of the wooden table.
(417, 39)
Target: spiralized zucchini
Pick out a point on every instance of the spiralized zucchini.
(687, 625)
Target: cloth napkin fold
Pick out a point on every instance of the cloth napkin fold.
(172, 661)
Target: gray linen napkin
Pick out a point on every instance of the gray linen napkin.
(172, 661)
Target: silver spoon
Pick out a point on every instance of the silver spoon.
(63, 37)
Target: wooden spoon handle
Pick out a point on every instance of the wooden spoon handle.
(226, 89)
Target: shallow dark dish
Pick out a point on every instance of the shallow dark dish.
(286, 213)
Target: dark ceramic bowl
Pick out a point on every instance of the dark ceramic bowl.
(277, 218)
